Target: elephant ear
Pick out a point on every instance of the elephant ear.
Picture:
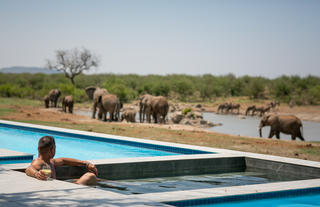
(89, 91)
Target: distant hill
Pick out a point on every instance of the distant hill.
(21, 69)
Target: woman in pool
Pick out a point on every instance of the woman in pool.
(43, 167)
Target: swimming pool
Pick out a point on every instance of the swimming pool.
(288, 198)
(80, 146)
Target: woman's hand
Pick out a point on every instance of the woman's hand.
(40, 175)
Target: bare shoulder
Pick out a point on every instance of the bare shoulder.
(37, 163)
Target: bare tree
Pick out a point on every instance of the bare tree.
(73, 62)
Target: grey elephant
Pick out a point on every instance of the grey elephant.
(145, 108)
(46, 100)
(129, 115)
(109, 103)
(54, 95)
(94, 93)
(159, 108)
(67, 102)
(288, 124)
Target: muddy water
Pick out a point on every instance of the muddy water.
(248, 126)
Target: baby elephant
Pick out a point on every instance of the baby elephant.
(129, 115)
(46, 100)
(67, 101)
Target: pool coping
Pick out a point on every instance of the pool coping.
(179, 195)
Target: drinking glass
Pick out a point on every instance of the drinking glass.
(46, 169)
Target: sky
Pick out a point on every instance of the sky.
(266, 38)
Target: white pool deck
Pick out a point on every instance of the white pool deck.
(17, 189)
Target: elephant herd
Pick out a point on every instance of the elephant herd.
(156, 108)
(109, 106)
(52, 98)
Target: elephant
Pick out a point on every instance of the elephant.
(94, 93)
(46, 100)
(109, 103)
(67, 101)
(129, 115)
(288, 124)
(145, 107)
(54, 95)
(159, 108)
(250, 108)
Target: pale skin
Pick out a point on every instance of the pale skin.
(34, 170)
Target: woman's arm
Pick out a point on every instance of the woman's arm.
(33, 171)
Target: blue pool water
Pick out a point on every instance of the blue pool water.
(67, 146)
(296, 201)
(291, 198)
(312, 200)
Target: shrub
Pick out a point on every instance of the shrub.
(6, 90)
(186, 110)
(161, 89)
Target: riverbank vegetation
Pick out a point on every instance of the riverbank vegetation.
(185, 88)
